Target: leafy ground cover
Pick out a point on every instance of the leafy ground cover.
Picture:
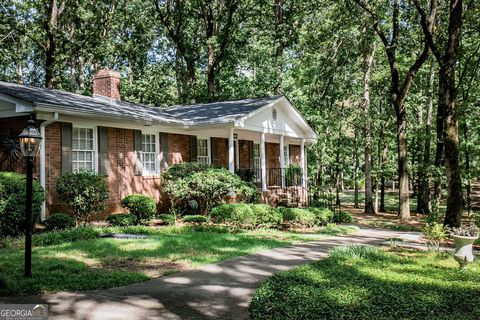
(372, 283)
(95, 263)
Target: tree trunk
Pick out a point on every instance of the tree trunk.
(423, 197)
(210, 74)
(448, 94)
(382, 195)
(368, 62)
(355, 172)
(403, 190)
(467, 169)
(448, 97)
(278, 11)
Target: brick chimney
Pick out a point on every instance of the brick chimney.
(106, 83)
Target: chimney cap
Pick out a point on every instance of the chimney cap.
(106, 73)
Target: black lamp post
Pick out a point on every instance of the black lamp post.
(30, 140)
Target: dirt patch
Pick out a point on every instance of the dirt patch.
(151, 267)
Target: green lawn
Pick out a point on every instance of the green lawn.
(369, 283)
(391, 201)
(103, 263)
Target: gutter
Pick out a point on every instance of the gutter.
(43, 178)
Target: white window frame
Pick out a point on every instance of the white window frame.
(257, 165)
(208, 156)
(95, 144)
(145, 172)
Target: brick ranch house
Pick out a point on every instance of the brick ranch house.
(132, 144)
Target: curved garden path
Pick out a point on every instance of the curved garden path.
(220, 291)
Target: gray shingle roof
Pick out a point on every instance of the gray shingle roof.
(216, 112)
(219, 112)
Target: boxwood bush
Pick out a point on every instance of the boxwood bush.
(12, 203)
(266, 215)
(141, 206)
(122, 220)
(59, 221)
(168, 219)
(195, 219)
(342, 216)
(298, 217)
(234, 214)
(323, 216)
(205, 185)
(84, 192)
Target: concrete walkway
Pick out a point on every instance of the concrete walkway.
(220, 291)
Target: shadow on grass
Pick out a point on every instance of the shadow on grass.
(372, 288)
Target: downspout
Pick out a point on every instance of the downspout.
(43, 178)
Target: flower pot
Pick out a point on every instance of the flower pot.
(463, 250)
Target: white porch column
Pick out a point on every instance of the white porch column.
(231, 151)
(282, 161)
(303, 163)
(263, 162)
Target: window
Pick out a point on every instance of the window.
(285, 155)
(149, 154)
(202, 151)
(256, 161)
(83, 152)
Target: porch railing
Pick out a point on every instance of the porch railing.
(279, 178)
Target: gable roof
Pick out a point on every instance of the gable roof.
(223, 112)
(218, 112)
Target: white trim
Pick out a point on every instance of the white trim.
(95, 142)
(282, 159)
(151, 131)
(302, 162)
(209, 148)
(231, 152)
(263, 162)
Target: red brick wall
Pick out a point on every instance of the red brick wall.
(107, 83)
(272, 155)
(295, 154)
(178, 148)
(222, 152)
(13, 126)
(53, 165)
(244, 157)
(122, 180)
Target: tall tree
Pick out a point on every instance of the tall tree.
(368, 55)
(398, 90)
(447, 60)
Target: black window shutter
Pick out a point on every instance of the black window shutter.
(163, 151)
(250, 153)
(290, 159)
(193, 148)
(67, 147)
(137, 144)
(214, 151)
(103, 159)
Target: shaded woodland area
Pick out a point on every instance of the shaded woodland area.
(391, 87)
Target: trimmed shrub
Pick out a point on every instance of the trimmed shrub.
(62, 236)
(195, 219)
(342, 216)
(235, 214)
(141, 206)
(84, 192)
(207, 186)
(12, 200)
(122, 220)
(59, 221)
(296, 216)
(323, 216)
(267, 215)
(168, 219)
